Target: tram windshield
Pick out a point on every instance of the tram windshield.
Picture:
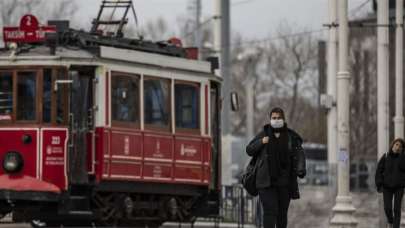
(22, 92)
(26, 95)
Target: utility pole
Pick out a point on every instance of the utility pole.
(250, 108)
(222, 48)
(331, 91)
(382, 87)
(251, 64)
(226, 65)
(343, 210)
(198, 29)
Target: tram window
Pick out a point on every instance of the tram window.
(47, 96)
(187, 105)
(61, 99)
(157, 102)
(26, 91)
(125, 98)
(6, 95)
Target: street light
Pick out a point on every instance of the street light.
(343, 210)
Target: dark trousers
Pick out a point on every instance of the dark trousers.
(393, 194)
(275, 202)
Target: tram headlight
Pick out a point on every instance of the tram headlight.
(13, 162)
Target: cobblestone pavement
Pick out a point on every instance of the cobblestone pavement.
(314, 208)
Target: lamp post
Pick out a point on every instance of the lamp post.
(331, 91)
(382, 87)
(399, 116)
(343, 210)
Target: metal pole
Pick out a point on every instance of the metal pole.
(250, 108)
(382, 86)
(343, 211)
(198, 29)
(226, 83)
(399, 116)
(250, 67)
(222, 48)
(331, 90)
(242, 206)
(225, 65)
(217, 30)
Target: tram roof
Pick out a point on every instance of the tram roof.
(40, 55)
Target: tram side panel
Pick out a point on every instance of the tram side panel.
(129, 154)
(133, 155)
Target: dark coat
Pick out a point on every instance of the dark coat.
(297, 156)
(390, 171)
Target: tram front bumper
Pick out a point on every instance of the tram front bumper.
(14, 188)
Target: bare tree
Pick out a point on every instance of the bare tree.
(246, 62)
(292, 64)
(155, 30)
(285, 73)
(12, 10)
(363, 102)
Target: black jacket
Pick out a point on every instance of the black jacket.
(297, 156)
(390, 171)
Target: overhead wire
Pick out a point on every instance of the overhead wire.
(213, 17)
(269, 39)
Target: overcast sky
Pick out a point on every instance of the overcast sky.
(254, 19)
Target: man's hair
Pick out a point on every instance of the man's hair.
(277, 110)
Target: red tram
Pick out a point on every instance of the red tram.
(104, 129)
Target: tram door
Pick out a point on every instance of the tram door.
(216, 135)
(81, 123)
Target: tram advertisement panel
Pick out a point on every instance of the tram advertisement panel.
(54, 145)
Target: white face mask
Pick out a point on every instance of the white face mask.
(277, 123)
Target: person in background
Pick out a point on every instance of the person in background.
(280, 160)
(390, 180)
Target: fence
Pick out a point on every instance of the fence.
(237, 206)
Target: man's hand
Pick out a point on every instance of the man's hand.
(265, 140)
(302, 174)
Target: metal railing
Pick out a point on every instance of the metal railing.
(237, 206)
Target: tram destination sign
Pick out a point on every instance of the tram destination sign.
(30, 31)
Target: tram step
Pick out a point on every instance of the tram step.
(79, 203)
(81, 213)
